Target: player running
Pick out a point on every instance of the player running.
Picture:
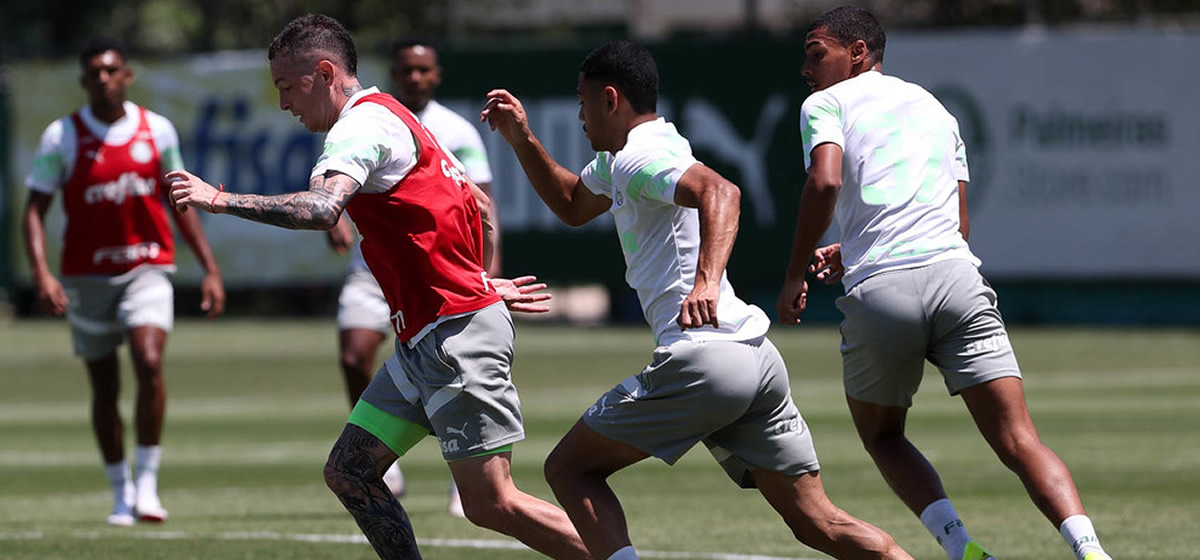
(887, 157)
(714, 377)
(362, 316)
(421, 221)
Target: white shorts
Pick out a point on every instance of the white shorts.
(103, 308)
(361, 304)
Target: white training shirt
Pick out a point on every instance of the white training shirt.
(902, 158)
(660, 239)
(55, 158)
(456, 135)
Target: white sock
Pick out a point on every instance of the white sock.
(627, 553)
(149, 457)
(1079, 533)
(118, 477)
(943, 523)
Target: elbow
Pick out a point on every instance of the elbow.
(571, 220)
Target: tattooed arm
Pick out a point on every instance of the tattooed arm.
(317, 208)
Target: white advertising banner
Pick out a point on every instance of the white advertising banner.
(1084, 148)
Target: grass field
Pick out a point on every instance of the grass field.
(254, 407)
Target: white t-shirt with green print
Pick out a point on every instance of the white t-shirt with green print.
(902, 158)
(660, 239)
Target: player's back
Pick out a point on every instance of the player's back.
(902, 160)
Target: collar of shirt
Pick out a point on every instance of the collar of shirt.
(354, 99)
(101, 128)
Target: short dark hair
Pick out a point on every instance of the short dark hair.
(100, 45)
(848, 24)
(316, 32)
(412, 42)
(628, 66)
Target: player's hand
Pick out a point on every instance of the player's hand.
(190, 190)
(504, 113)
(341, 236)
(793, 300)
(51, 297)
(523, 293)
(827, 264)
(699, 308)
(212, 295)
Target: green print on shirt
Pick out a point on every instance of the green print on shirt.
(629, 242)
(649, 181)
(816, 119)
(899, 185)
(361, 149)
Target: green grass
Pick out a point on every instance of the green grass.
(254, 407)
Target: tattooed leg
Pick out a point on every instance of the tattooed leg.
(353, 474)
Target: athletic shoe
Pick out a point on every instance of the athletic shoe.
(456, 508)
(976, 552)
(394, 479)
(150, 509)
(121, 516)
(1096, 556)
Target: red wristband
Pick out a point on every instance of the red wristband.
(213, 203)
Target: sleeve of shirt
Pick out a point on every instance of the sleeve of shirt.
(49, 170)
(167, 140)
(961, 172)
(597, 176)
(473, 155)
(362, 143)
(651, 174)
(820, 122)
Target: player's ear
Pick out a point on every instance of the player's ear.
(858, 51)
(610, 98)
(325, 68)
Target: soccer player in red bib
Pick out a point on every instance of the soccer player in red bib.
(426, 239)
(108, 160)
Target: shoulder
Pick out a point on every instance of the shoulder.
(57, 130)
(444, 121)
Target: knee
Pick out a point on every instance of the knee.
(494, 513)
(148, 361)
(560, 471)
(1016, 445)
(354, 363)
(343, 477)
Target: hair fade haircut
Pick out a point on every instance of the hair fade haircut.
(411, 42)
(630, 68)
(848, 24)
(100, 45)
(312, 33)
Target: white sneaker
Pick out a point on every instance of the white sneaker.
(150, 509)
(455, 507)
(121, 516)
(394, 479)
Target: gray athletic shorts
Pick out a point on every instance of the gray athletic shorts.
(361, 304)
(103, 308)
(944, 312)
(456, 383)
(733, 396)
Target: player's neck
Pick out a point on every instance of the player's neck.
(636, 121)
(347, 89)
(108, 114)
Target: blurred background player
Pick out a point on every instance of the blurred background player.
(715, 376)
(362, 310)
(888, 158)
(108, 159)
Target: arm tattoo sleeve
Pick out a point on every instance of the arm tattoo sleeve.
(317, 208)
